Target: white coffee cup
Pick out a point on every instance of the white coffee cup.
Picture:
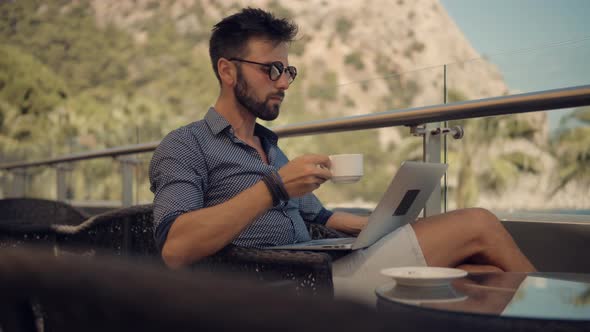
(346, 168)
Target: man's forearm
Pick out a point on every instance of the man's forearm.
(203, 232)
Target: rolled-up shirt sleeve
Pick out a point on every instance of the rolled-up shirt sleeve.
(312, 210)
(178, 180)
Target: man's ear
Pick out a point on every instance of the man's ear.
(227, 71)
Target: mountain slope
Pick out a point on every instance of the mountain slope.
(135, 69)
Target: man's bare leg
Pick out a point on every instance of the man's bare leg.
(469, 236)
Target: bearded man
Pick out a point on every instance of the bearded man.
(224, 180)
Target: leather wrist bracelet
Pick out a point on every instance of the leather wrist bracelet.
(283, 194)
(272, 188)
(276, 188)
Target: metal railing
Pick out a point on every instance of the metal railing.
(521, 103)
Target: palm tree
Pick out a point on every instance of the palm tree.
(571, 148)
(482, 161)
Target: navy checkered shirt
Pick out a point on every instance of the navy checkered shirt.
(204, 164)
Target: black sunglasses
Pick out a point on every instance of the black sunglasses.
(275, 69)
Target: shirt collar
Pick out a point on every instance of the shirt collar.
(217, 123)
(263, 132)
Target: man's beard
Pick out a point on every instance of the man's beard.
(260, 109)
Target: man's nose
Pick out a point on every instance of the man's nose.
(283, 81)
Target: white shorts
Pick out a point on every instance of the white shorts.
(357, 274)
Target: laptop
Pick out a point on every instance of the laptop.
(402, 202)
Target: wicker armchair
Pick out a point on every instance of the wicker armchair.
(305, 272)
(129, 232)
(121, 232)
(107, 294)
(29, 221)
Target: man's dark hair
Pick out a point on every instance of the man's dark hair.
(231, 35)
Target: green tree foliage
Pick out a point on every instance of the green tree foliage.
(327, 89)
(31, 96)
(297, 47)
(500, 170)
(355, 59)
(278, 10)
(28, 84)
(75, 86)
(343, 27)
(571, 148)
(573, 152)
(68, 84)
(70, 43)
(481, 136)
(583, 115)
(454, 95)
(402, 89)
(517, 128)
(379, 162)
(505, 168)
(414, 47)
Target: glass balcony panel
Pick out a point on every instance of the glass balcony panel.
(384, 149)
(328, 95)
(529, 70)
(95, 182)
(41, 183)
(512, 163)
(521, 162)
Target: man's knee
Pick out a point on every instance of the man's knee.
(471, 225)
(478, 214)
(479, 217)
(485, 227)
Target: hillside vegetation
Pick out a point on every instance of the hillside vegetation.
(87, 75)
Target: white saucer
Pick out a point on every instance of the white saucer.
(346, 179)
(420, 295)
(423, 276)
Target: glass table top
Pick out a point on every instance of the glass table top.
(533, 295)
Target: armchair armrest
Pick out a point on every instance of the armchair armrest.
(308, 272)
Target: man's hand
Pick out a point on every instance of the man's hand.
(305, 174)
(347, 222)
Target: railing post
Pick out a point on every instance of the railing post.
(4, 184)
(432, 145)
(127, 170)
(62, 186)
(19, 182)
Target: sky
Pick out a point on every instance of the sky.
(537, 44)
